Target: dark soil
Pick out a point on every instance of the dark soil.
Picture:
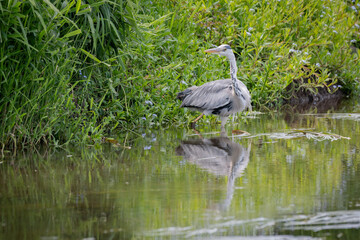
(323, 98)
(304, 99)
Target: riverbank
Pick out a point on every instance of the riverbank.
(75, 72)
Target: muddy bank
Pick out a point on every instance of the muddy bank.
(302, 97)
(321, 98)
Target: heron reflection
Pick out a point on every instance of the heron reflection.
(220, 156)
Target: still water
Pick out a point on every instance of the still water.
(293, 176)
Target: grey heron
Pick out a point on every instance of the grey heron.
(221, 97)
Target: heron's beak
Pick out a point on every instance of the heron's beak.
(212, 50)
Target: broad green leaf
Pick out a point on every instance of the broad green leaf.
(86, 10)
(78, 5)
(93, 57)
(90, 55)
(93, 32)
(97, 4)
(32, 2)
(73, 33)
(52, 6)
(38, 79)
(41, 20)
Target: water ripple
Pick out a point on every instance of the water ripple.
(318, 222)
(325, 221)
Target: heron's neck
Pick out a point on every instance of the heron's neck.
(233, 71)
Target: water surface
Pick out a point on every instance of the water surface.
(294, 176)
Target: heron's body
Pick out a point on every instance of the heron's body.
(221, 97)
(216, 97)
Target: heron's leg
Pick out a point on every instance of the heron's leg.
(198, 133)
(197, 119)
(223, 122)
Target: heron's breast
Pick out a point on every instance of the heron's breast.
(238, 103)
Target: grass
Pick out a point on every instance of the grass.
(75, 71)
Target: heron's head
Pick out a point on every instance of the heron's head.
(222, 50)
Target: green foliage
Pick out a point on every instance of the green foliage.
(49, 53)
(75, 70)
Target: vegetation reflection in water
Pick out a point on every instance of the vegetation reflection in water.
(163, 187)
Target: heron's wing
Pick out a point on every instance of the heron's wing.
(211, 95)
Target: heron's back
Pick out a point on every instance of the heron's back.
(216, 97)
